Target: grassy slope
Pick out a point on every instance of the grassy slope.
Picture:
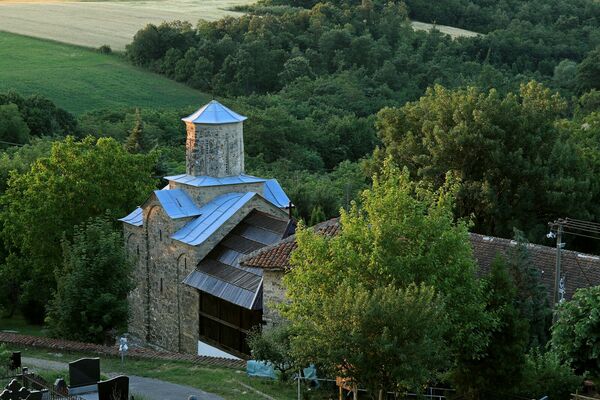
(18, 324)
(80, 80)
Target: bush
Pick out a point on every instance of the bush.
(104, 49)
(272, 345)
(545, 375)
(575, 337)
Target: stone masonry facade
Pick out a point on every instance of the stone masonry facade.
(214, 150)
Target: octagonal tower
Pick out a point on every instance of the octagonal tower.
(215, 141)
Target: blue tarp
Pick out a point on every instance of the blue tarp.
(260, 369)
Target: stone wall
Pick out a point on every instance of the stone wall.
(137, 299)
(164, 311)
(273, 293)
(214, 150)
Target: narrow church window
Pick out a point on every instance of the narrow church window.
(161, 285)
(160, 235)
(138, 250)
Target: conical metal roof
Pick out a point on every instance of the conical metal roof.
(214, 113)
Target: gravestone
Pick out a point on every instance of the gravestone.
(84, 372)
(14, 391)
(15, 360)
(116, 388)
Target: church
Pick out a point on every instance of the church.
(187, 239)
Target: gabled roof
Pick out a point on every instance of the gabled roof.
(220, 274)
(277, 255)
(579, 270)
(135, 218)
(212, 216)
(177, 203)
(214, 113)
(203, 181)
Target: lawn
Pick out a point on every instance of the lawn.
(18, 324)
(228, 383)
(80, 79)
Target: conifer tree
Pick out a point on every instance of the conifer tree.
(135, 140)
(531, 297)
(500, 370)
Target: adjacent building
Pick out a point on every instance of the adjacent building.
(579, 270)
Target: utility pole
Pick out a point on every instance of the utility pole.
(559, 246)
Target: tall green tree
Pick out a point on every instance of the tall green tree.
(531, 299)
(498, 372)
(401, 235)
(516, 169)
(94, 279)
(136, 141)
(78, 180)
(13, 129)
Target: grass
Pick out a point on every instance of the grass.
(80, 79)
(18, 324)
(224, 382)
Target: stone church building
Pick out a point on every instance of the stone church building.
(192, 295)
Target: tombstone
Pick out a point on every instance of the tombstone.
(116, 388)
(84, 372)
(15, 360)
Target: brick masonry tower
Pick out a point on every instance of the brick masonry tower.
(215, 141)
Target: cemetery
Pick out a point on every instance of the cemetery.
(84, 382)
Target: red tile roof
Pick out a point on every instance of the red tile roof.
(580, 270)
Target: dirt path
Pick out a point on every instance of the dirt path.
(151, 389)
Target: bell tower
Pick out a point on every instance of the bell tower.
(215, 142)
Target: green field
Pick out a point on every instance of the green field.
(80, 80)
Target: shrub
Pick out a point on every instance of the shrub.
(104, 49)
(575, 337)
(545, 375)
(272, 345)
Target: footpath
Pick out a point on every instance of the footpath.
(149, 389)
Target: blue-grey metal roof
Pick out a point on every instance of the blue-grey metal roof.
(202, 181)
(213, 215)
(136, 218)
(177, 203)
(214, 113)
(226, 282)
(275, 194)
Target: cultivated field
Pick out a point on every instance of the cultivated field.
(80, 80)
(94, 23)
(448, 30)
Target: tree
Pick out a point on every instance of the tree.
(588, 72)
(575, 337)
(531, 295)
(136, 141)
(499, 370)
(13, 129)
(401, 235)
(93, 282)
(516, 169)
(273, 344)
(78, 180)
